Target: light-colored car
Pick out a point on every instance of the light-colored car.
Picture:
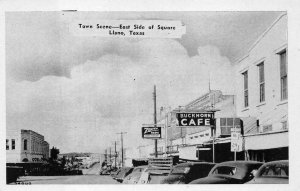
(134, 177)
(154, 175)
(275, 172)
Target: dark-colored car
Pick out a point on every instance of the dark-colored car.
(230, 172)
(275, 172)
(125, 171)
(184, 173)
(134, 177)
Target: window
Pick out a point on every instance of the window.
(284, 125)
(227, 123)
(225, 170)
(25, 144)
(13, 144)
(246, 96)
(7, 144)
(261, 71)
(283, 75)
(267, 128)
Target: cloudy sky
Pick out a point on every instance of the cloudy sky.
(80, 91)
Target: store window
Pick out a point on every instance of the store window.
(246, 96)
(283, 75)
(261, 68)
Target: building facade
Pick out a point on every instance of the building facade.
(26, 146)
(262, 93)
(259, 107)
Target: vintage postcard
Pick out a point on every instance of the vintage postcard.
(147, 97)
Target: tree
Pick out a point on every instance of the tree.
(54, 153)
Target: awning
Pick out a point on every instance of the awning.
(267, 141)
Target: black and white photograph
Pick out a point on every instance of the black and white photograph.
(146, 97)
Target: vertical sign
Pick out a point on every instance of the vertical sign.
(236, 140)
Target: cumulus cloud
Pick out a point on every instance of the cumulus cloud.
(114, 92)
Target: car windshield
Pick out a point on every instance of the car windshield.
(276, 170)
(180, 170)
(225, 170)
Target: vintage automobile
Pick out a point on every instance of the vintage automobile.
(125, 171)
(230, 172)
(134, 177)
(154, 175)
(115, 173)
(184, 173)
(275, 172)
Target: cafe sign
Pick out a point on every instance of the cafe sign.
(195, 119)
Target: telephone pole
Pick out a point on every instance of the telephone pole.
(155, 121)
(115, 154)
(109, 154)
(122, 148)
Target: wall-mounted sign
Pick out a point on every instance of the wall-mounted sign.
(151, 132)
(195, 119)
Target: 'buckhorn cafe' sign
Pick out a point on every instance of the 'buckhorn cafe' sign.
(195, 119)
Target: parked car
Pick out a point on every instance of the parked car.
(184, 173)
(231, 172)
(134, 177)
(125, 171)
(275, 172)
(115, 173)
(105, 171)
(154, 175)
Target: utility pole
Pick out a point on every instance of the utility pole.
(109, 154)
(155, 121)
(105, 155)
(115, 154)
(122, 148)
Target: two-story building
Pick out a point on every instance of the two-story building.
(25, 146)
(262, 93)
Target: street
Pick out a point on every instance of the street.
(77, 179)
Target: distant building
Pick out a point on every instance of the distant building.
(25, 146)
(262, 93)
(189, 145)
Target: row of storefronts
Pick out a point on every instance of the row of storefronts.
(259, 107)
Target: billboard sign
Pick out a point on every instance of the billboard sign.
(151, 132)
(195, 119)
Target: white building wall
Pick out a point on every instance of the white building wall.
(273, 111)
(13, 156)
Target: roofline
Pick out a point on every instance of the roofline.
(259, 39)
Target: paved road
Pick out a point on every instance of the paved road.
(94, 170)
(77, 179)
